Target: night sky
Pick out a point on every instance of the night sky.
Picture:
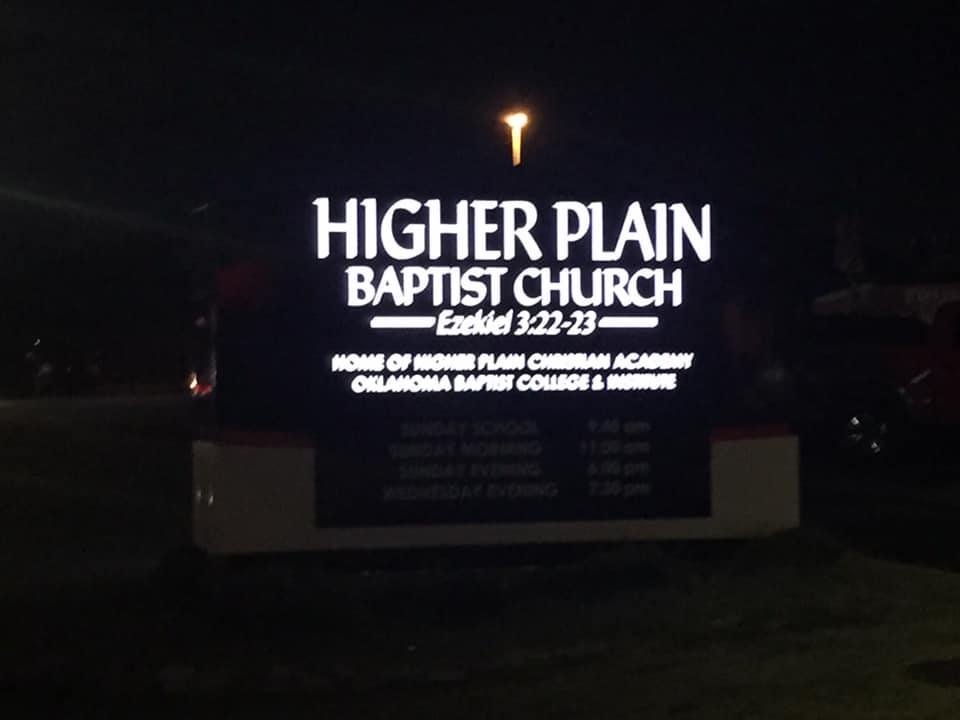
(224, 123)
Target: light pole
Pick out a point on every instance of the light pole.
(517, 121)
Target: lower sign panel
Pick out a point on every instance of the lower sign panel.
(395, 471)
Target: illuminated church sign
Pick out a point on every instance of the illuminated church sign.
(497, 360)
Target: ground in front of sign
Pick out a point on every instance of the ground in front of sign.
(793, 626)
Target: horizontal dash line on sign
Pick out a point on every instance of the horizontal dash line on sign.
(628, 321)
(398, 322)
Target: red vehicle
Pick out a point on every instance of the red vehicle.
(881, 363)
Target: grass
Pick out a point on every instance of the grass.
(789, 627)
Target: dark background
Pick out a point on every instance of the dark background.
(141, 148)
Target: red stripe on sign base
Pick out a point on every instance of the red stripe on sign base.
(260, 438)
(749, 432)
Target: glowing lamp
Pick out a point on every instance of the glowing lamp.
(516, 121)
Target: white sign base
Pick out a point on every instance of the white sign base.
(259, 498)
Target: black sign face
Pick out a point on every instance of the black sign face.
(510, 361)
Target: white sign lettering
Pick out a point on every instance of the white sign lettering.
(488, 254)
